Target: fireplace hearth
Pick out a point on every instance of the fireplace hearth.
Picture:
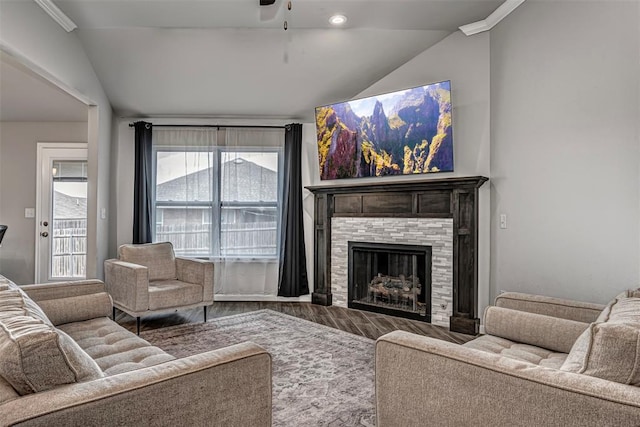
(390, 278)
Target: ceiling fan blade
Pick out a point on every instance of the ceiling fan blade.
(269, 10)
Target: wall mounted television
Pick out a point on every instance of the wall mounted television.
(404, 132)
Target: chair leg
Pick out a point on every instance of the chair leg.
(138, 325)
(205, 314)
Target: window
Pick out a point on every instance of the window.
(217, 201)
(249, 203)
(206, 216)
(159, 217)
(69, 219)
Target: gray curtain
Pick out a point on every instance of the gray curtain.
(293, 266)
(143, 180)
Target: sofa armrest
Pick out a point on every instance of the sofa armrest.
(586, 312)
(49, 291)
(225, 387)
(420, 378)
(78, 308)
(552, 333)
(127, 283)
(197, 271)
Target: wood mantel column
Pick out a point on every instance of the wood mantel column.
(455, 198)
(465, 262)
(323, 211)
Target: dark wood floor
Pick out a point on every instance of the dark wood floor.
(364, 323)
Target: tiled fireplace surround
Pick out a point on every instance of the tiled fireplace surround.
(441, 213)
(434, 232)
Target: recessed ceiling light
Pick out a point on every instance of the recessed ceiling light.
(337, 19)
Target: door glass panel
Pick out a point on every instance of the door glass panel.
(69, 220)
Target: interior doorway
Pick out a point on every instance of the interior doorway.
(36, 106)
(61, 212)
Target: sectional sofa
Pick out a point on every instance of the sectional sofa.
(542, 362)
(63, 361)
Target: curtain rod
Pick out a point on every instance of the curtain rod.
(216, 126)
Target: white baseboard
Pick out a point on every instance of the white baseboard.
(270, 298)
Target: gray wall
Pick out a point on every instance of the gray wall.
(18, 143)
(565, 88)
(28, 34)
(464, 61)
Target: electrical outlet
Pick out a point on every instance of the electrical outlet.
(503, 220)
(29, 213)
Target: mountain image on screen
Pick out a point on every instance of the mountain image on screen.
(400, 133)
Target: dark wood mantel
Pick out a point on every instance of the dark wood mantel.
(455, 198)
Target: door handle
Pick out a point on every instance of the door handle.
(44, 234)
(45, 223)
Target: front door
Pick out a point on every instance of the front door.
(61, 212)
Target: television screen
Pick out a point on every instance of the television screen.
(399, 133)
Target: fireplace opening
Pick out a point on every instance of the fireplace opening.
(390, 278)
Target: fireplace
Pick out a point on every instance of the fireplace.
(441, 213)
(390, 278)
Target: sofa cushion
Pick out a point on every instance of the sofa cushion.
(85, 307)
(626, 310)
(15, 301)
(514, 350)
(604, 315)
(537, 330)
(159, 258)
(7, 392)
(173, 293)
(114, 349)
(549, 306)
(34, 355)
(621, 310)
(629, 293)
(609, 350)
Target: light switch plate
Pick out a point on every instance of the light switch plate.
(29, 212)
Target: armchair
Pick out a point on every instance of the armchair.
(149, 278)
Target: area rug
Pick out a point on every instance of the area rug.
(321, 376)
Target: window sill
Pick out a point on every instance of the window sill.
(263, 260)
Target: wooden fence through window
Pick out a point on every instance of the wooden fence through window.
(239, 239)
(69, 242)
(69, 248)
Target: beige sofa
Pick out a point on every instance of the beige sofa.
(64, 362)
(542, 362)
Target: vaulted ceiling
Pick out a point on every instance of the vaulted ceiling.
(232, 58)
(24, 96)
